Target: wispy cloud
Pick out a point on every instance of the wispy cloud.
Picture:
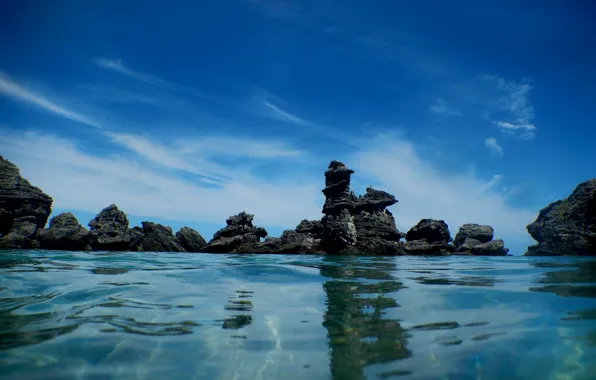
(276, 112)
(16, 91)
(440, 107)
(236, 147)
(494, 146)
(514, 100)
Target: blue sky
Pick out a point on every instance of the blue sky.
(189, 112)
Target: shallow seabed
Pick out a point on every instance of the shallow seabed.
(77, 315)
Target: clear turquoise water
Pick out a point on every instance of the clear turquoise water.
(196, 316)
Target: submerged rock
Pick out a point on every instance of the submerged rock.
(109, 231)
(190, 240)
(238, 231)
(64, 233)
(568, 226)
(18, 199)
(154, 237)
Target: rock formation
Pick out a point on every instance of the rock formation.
(567, 227)
(18, 200)
(153, 237)
(64, 233)
(190, 240)
(109, 231)
(429, 237)
(238, 231)
(478, 240)
(22, 234)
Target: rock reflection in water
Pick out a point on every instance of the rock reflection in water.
(563, 282)
(359, 335)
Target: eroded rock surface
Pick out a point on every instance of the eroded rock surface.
(476, 239)
(19, 199)
(154, 237)
(568, 226)
(109, 231)
(429, 237)
(22, 235)
(238, 231)
(190, 240)
(64, 233)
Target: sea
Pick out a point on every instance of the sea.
(106, 315)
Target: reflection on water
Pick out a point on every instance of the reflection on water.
(145, 316)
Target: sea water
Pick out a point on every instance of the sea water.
(82, 315)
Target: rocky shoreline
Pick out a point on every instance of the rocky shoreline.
(351, 225)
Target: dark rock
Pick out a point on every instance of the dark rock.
(289, 242)
(337, 189)
(379, 224)
(22, 235)
(191, 240)
(18, 198)
(477, 232)
(155, 237)
(567, 227)
(491, 248)
(339, 231)
(64, 233)
(423, 247)
(433, 231)
(238, 231)
(109, 231)
(468, 244)
(313, 227)
(374, 200)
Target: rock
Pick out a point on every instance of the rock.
(468, 244)
(313, 227)
(22, 235)
(423, 247)
(238, 231)
(477, 232)
(109, 231)
(290, 242)
(18, 198)
(433, 231)
(339, 232)
(567, 227)
(191, 240)
(155, 237)
(65, 233)
(491, 248)
(374, 200)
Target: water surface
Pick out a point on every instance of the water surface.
(77, 315)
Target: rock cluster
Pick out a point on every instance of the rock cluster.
(478, 240)
(568, 226)
(350, 225)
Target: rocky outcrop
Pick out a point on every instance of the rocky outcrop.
(191, 240)
(64, 233)
(568, 226)
(109, 231)
(22, 234)
(478, 240)
(312, 227)
(238, 231)
(153, 237)
(429, 237)
(19, 199)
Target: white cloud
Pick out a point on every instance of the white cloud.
(276, 112)
(14, 90)
(494, 146)
(236, 147)
(80, 181)
(527, 130)
(427, 192)
(440, 107)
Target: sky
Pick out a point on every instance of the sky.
(188, 112)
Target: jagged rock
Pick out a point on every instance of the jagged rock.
(433, 231)
(339, 231)
(22, 235)
(238, 231)
(109, 231)
(64, 233)
(467, 245)
(289, 242)
(191, 240)
(374, 200)
(18, 198)
(567, 227)
(313, 227)
(481, 233)
(154, 237)
(491, 248)
(337, 189)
